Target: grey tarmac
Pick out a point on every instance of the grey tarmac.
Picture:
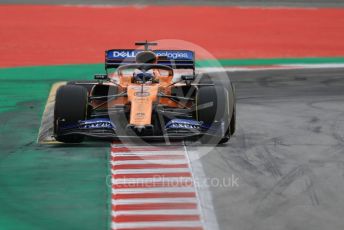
(287, 153)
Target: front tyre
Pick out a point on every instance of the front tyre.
(213, 109)
(71, 103)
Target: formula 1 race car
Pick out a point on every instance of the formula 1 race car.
(141, 96)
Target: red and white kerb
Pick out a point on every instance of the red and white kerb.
(152, 188)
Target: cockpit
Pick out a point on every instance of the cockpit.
(145, 74)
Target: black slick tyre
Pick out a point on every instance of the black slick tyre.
(212, 106)
(70, 106)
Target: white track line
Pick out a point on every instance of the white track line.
(160, 162)
(153, 190)
(155, 200)
(171, 180)
(152, 153)
(156, 170)
(139, 225)
(155, 212)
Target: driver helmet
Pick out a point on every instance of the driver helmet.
(145, 57)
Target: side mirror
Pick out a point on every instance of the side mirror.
(188, 77)
(100, 76)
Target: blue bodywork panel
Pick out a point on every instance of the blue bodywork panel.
(97, 123)
(178, 59)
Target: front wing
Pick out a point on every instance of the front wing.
(175, 129)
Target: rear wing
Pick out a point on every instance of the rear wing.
(176, 59)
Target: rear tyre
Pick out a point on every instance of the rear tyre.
(212, 106)
(218, 79)
(233, 123)
(70, 107)
(233, 119)
(85, 84)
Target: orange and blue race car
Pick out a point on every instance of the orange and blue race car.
(150, 95)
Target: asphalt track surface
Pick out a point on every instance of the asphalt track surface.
(277, 3)
(288, 153)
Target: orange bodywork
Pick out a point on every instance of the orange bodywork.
(140, 97)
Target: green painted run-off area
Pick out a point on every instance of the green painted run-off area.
(46, 186)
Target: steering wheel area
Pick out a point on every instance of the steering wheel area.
(142, 73)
